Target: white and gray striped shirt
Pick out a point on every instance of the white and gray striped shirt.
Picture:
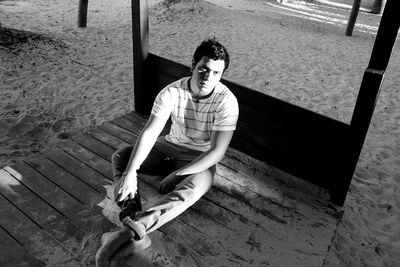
(193, 120)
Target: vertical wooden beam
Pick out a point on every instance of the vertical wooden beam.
(82, 13)
(353, 17)
(370, 89)
(378, 6)
(140, 26)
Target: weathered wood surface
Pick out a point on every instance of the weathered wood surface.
(17, 255)
(56, 205)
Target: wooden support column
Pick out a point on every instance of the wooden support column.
(370, 89)
(82, 13)
(140, 26)
(353, 17)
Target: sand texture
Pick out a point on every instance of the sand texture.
(57, 80)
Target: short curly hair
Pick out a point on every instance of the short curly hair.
(212, 49)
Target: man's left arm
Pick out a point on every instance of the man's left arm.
(219, 144)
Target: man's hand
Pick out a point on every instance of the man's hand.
(168, 183)
(125, 187)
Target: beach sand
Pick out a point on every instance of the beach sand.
(63, 79)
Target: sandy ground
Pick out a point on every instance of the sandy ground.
(63, 79)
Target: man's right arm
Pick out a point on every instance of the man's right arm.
(142, 148)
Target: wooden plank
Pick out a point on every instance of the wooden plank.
(89, 176)
(90, 143)
(39, 243)
(292, 205)
(36, 208)
(69, 183)
(13, 254)
(270, 181)
(89, 158)
(128, 125)
(45, 233)
(99, 140)
(106, 138)
(98, 190)
(102, 149)
(90, 220)
(137, 118)
(142, 120)
(117, 131)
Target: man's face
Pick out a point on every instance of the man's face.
(207, 73)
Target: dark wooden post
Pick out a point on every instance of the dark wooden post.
(353, 17)
(82, 13)
(370, 87)
(140, 26)
(378, 6)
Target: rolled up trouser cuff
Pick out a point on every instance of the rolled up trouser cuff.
(137, 229)
(129, 207)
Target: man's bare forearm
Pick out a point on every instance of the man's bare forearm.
(140, 151)
(144, 144)
(203, 162)
(219, 144)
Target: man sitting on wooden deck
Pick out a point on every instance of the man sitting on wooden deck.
(204, 113)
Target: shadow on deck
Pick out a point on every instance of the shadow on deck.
(55, 206)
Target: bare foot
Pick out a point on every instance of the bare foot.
(111, 242)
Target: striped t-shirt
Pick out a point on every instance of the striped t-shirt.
(194, 120)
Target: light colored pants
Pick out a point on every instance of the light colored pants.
(163, 159)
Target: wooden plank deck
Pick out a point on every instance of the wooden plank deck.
(55, 206)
